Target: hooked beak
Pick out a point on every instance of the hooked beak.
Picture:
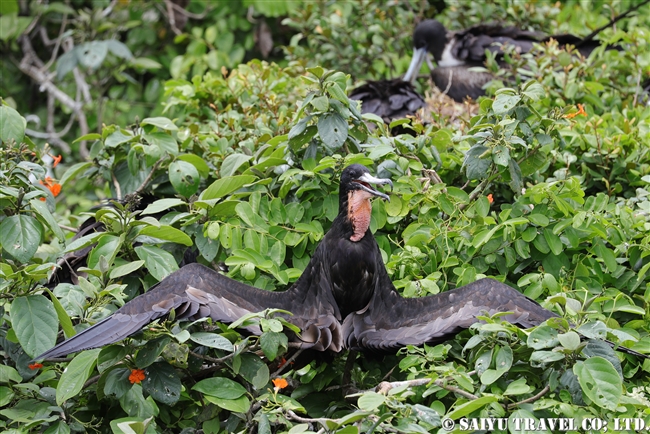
(416, 62)
(366, 179)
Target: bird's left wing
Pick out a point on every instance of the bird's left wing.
(196, 291)
(391, 321)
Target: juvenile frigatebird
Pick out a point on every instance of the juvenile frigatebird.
(388, 99)
(343, 299)
(456, 52)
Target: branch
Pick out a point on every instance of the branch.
(286, 363)
(590, 36)
(385, 386)
(543, 392)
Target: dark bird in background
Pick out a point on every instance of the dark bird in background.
(389, 99)
(343, 299)
(456, 52)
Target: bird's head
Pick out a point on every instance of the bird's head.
(355, 192)
(430, 36)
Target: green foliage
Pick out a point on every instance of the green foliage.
(241, 170)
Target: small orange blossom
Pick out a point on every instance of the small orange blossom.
(581, 111)
(280, 383)
(137, 375)
(34, 366)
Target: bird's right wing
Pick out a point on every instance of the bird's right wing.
(196, 291)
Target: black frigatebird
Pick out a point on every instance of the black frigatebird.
(456, 52)
(343, 299)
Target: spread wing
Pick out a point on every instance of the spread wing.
(196, 291)
(471, 43)
(391, 321)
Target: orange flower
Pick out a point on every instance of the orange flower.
(52, 185)
(490, 198)
(34, 366)
(137, 375)
(57, 159)
(581, 111)
(280, 383)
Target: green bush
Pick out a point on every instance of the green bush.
(242, 170)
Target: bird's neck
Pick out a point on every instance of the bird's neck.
(359, 211)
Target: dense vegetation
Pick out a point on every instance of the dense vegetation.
(545, 185)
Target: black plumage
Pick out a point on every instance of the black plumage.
(343, 299)
(388, 99)
(456, 52)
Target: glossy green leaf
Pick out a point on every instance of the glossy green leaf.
(75, 375)
(159, 262)
(35, 322)
(20, 236)
(162, 383)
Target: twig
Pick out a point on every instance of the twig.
(385, 386)
(543, 392)
(287, 363)
(321, 420)
(118, 189)
(148, 178)
(188, 14)
(212, 359)
(590, 36)
(475, 193)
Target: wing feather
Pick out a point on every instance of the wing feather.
(392, 321)
(196, 291)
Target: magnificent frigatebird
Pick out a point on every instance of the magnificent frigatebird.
(456, 52)
(343, 299)
(388, 99)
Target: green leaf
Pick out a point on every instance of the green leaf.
(92, 54)
(125, 269)
(160, 122)
(239, 405)
(504, 102)
(62, 315)
(12, 125)
(162, 205)
(333, 130)
(599, 381)
(517, 387)
(73, 171)
(159, 262)
(476, 167)
(41, 209)
(501, 155)
(224, 186)
(516, 178)
(20, 236)
(167, 233)
(371, 400)
(75, 375)
(118, 138)
(117, 382)
(569, 340)
(254, 370)
(35, 323)
(232, 163)
(164, 141)
(542, 337)
(220, 387)
(7, 373)
(162, 383)
(471, 406)
(553, 241)
(107, 246)
(270, 342)
(119, 49)
(212, 340)
(150, 351)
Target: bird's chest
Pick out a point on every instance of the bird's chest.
(353, 275)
